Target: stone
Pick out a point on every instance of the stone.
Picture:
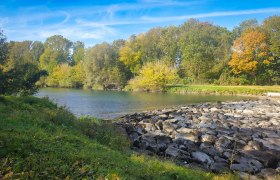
(267, 158)
(214, 109)
(184, 130)
(134, 137)
(208, 138)
(172, 151)
(202, 157)
(220, 160)
(163, 116)
(223, 142)
(140, 130)
(219, 167)
(204, 118)
(242, 167)
(188, 136)
(255, 164)
(168, 128)
(247, 111)
(254, 145)
(269, 173)
(246, 176)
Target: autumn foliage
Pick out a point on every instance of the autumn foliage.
(250, 53)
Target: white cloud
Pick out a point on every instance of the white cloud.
(211, 14)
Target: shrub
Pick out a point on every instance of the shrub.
(154, 77)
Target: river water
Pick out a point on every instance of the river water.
(111, 104)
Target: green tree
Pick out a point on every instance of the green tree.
(20, 77)
(56, 48)
(102, 67)
(271, 26)
(243, 26)
(78, 52)
(37, 49)
(168, 43)
(201, 44)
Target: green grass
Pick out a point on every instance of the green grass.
(39, 140)
(215, 89)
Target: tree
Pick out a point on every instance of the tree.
(57, 51)
(37, 49)
(201, 45)
(131, 54)
(154, 76)
(18, 73)
(102, 68)
(78, 52)
(168, 43)
(250, 53)
(243, 26)
(3, 49)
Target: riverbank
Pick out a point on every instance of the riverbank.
(222, 90)
(241, 136)
(39, 140)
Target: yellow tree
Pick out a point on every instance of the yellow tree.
(131, 55)
(250, 53)
(154, 76)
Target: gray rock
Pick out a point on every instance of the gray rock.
(202, 157)
(219, 167)
(220, 160)
(246, 176)
(187, 136)
(223, 142)
(269, 173)
(267, 158)
(242, 167)
(172, 151)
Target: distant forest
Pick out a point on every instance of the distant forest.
(193, 53)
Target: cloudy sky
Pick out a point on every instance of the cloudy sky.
(97, 21)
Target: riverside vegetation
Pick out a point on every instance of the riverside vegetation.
(192, 53)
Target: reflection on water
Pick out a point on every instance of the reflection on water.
(111, 104)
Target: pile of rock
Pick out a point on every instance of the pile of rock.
(238, 136)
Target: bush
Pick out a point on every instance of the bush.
(154, 77)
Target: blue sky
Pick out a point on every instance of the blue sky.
(97, 21)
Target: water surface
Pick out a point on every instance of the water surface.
(111, 104)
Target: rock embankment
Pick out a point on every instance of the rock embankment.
(233, 136)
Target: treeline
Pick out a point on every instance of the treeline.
(192, 53)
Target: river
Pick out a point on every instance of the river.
(111, 104)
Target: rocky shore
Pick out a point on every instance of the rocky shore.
(242, 137)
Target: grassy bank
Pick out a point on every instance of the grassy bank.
(227, 90)
(39, 140)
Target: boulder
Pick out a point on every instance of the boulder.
(270, 174)
(202, 157)
(267, 158)
(187, 136)
(208, 138)
(219, 167)
(172, 151)
(167, 127)
(223, 142)
(242, 168)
